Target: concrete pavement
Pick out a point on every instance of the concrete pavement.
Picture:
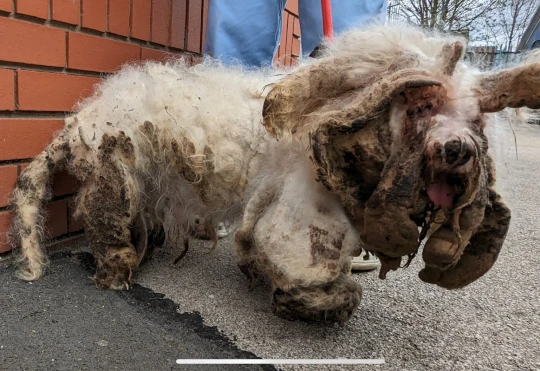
(63, 322)
(491, 325)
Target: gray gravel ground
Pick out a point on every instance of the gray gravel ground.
(494, 324)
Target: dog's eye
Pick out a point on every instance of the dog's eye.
(420, 111)
(424, 111)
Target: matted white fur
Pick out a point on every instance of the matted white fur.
(206, 121)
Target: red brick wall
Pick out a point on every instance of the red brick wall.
(52, 52)
(289, 47)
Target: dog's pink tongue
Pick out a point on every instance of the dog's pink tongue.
(441, 194)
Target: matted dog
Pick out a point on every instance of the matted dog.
(382, 137)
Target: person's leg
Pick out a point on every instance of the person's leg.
(346, 14)
(247, 31)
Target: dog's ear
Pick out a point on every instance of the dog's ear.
(513, 88)
(302, 92)
(309, 96)
(344, 137)
(296, 99)
(449, 57)
(412, 85)
(372, 102)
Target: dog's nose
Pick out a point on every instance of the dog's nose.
(457, 152)
(452, 148)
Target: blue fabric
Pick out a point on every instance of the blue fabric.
(245, 30)
(249, 31)
(346, 14)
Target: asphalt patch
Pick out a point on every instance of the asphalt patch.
(63, 322)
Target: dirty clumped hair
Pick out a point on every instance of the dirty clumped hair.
(387, 134)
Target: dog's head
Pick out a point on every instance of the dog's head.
(396, 125)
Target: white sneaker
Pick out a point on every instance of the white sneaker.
(223, 229)
(361, 263)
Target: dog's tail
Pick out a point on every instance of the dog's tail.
(29, 196)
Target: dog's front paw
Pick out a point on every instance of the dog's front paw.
(478, 256)
(120, 281)
(114, 268)
(335, 301)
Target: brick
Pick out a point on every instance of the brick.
(119, 17)
(8, 177)
(292, 6)
(56, 224)
(194, 29)
(140, 19)
(64, 184)
(204, 21)
(97, 54)
(94, 14)
(35, 134)
(23, 166)
(26, 42)
(286, 60)
(295, 47)
(296, 28)
(157, 55)
(43, 91)
(34, 8)
(6, 6)
(65, 242)
(7, 90)
(178, 24)
(289, 37)
(195, 59)
(74, 224)
(161, 18)
(5, 225)
(66, 11)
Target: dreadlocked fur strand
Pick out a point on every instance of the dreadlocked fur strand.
(373, 130)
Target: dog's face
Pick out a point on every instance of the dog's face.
(438, 163)
(405, 147)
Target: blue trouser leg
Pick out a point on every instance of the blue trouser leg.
(245, 30)
(346, 14)
(249, 31)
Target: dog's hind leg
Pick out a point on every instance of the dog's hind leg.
(110, 206)
(255, 207)
(155, 240)
(28, 199)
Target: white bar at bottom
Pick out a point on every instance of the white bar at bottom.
(337, 361)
